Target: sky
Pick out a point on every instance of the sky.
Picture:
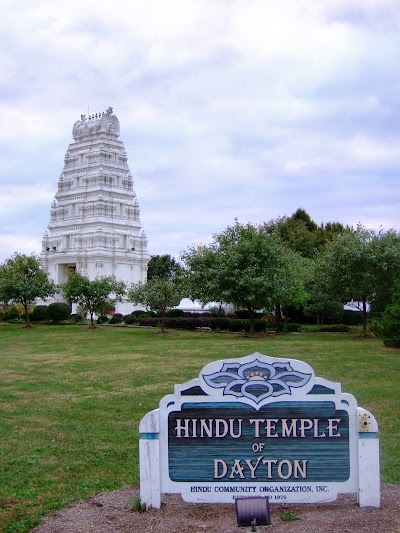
(244, 109)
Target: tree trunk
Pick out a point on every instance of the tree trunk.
(278, 317)
(251, 320)
(27, 319)
(364, 317)
(162, 321)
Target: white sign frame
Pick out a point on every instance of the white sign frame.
(256, 381)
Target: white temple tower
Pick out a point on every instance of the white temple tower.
(95, 223)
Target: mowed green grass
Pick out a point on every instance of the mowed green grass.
(71, 400)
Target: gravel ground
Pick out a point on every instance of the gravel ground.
(112, 513)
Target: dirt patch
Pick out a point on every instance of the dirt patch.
(112, 513)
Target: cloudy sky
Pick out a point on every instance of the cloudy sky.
(228, 108)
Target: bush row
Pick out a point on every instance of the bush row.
(55, 312)
(216, 324)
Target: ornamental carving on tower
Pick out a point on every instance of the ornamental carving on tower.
(96, 123)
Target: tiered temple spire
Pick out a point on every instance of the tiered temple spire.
(95, 223)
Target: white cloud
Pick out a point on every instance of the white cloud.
(227, 109)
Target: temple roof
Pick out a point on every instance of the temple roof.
(98, 122)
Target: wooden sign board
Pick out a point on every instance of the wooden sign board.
(259, 426)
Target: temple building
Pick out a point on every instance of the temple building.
(95, 223)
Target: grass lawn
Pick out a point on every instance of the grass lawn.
(71, 400)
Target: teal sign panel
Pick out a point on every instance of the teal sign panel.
(283, 441)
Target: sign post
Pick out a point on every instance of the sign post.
(259, 426)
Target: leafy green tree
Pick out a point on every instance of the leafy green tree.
(159, 294)
(329, 231)
(296, 233)
(302, 215)
(245, 266)
(359, 265)
(324, 310)
(162, 267)
(320, 304)
(92, 296)
(22, 279)
(302, 234)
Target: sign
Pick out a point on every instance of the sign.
(258, 426)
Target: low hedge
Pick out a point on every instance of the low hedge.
(275, 326)
(292, 328)
(219, 323)
(174, 323)
(116, 319)
(130, 319)
(336, 328)
(214, 323)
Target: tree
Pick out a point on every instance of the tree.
(302, 234)
(360, 265)
(162, 267)
(92, 296)
(22, 279)
(158, 294)
(296, 233)
(245, 266)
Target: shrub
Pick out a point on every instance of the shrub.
(130, 319)
(335, 328)
(388, 328)
(58, 311)
(103, 319)
(174, 313)
(143, 314)
(39, 314)
(148, 321)
(138, 312)
(236, 324)
(292, 328)
(116, 319)
(219, 323)
(183, 323)
(11, 314)
(175, 323)
(275, 326)
(259, 325)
